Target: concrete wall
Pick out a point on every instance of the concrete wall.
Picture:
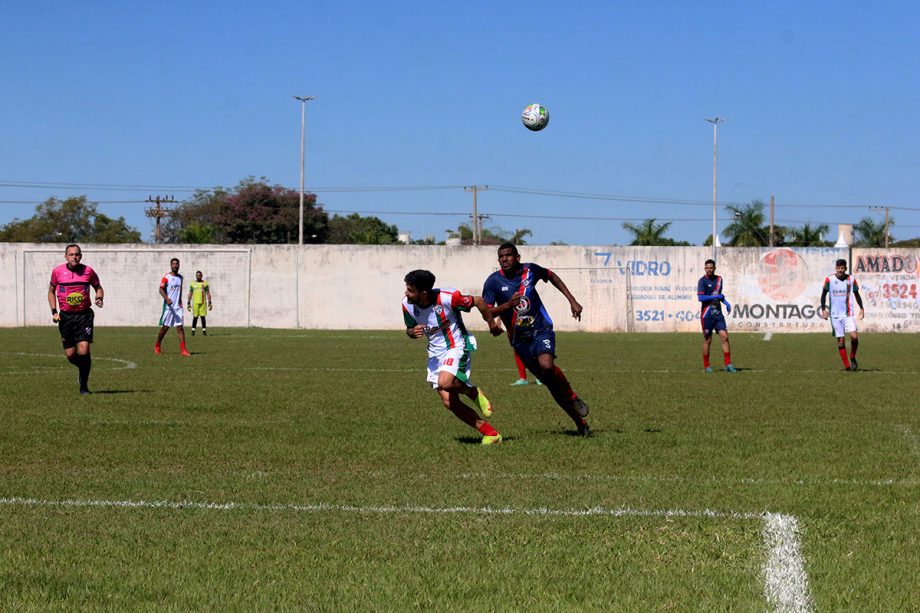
(643, 289)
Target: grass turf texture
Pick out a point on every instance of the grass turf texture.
(272, 419)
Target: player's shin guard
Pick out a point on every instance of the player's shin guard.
(728, 357)
(706, 361)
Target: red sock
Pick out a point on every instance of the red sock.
(843, 356)
(706, 361)
(182, 346)
(487, 430)
(728, 358)
(565, 387)
(522, 373)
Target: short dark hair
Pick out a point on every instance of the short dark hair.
(709, 261)
(198, 272)
(174, 260)
(422, 280)
(72, 245)
(841, 262)
(509, 245)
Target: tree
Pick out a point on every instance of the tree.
(808, 236)
(650, 234)
(493, 236)
(357, 230)
(252, 212)
(870, 233)
(747, 229)
(73, 220)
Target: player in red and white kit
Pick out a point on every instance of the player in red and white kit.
(435, 313)
(68, 297)
(171, 316)
(844, 291)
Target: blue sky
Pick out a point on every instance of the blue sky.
(821, 101)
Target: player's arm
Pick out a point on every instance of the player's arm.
(413, 328)
(191, 293)
(709, 297)
(52, 303)
(495, 328)
(823, 312)
(862, 312)
(560, 285)
(163, 292)
(100, 295)
(207, 292)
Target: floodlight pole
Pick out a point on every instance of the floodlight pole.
(303, 123)
(715, 121)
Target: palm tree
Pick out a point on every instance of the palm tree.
(648, 233)
(809, 236)
(747, 228)
(870, 233)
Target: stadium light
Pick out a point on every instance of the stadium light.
(715, 121)
(303, 117)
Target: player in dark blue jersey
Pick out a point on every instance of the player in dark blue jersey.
(709, 292)
(512, 294)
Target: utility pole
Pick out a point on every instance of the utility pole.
(715, 121)
(887, 220)
(158, 212)
(772, 208)
(477, 231)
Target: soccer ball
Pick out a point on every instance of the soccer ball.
(535, 117)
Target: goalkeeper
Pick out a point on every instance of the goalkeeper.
(198, 290)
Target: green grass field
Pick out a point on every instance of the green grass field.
(316, 470)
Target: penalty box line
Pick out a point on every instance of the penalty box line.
(784, 575)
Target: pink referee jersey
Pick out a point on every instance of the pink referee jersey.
(72, 287)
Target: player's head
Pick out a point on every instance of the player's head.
(419, 284)
(174, 265)
(508, 257)
(72, 254)
(841, 267)
(710, 267)
(198, 275)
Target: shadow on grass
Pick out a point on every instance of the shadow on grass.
(472, 440)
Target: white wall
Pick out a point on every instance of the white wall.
(644, 289)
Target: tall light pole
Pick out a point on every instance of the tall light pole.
(303, 123)
(715, 121)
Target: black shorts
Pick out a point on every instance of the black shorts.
(76, 327)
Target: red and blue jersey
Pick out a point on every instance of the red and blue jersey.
(530, 315)
(710, 286)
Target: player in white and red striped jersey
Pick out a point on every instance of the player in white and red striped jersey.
(436, 313)
(844, 292)
(171, 316)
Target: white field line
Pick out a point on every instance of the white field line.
(701, 480)
(665, 371)
(124, 364)
(784, 576)
(785, 579)
(767, 336)
(912, 441)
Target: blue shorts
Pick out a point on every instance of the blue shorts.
(530, 347)
(712, 321)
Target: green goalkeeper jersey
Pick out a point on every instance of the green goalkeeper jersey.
(199, 289)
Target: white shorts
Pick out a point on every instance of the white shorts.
(455, 361)
(843, 325)
(171, 315)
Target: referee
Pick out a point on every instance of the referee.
(69, 299)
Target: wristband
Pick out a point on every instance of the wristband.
(54, 311)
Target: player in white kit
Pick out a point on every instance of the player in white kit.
(844, 293)
(171, 316)
(435, 313)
